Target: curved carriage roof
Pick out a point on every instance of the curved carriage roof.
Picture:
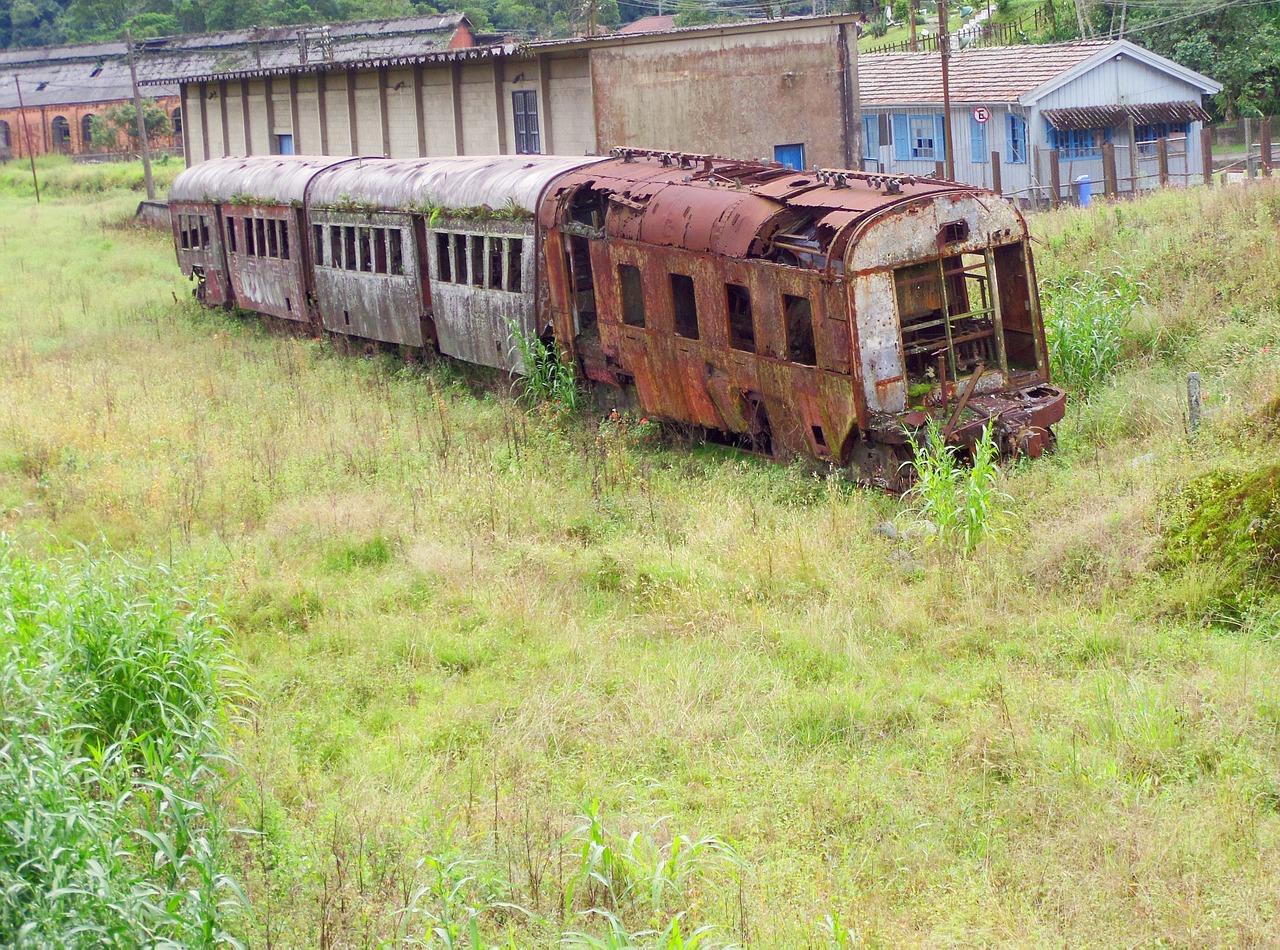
(718, 206)
(271, 179)
(455, 182)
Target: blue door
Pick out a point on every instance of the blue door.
(285, 143)
(791, 156)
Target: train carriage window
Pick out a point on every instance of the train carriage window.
(231, 234)
(260, 245)
(515, 258)
(317, 240)
(799, 319)
(366, 255)
(395, 251)
(444, 259)
(380, 250)
(183, 234)
(742, 331)
(632, 290)
(273, 239)
(335, 246)
(495, 263)
(459, 258)
(349, 248)
(284, 239)
(477, 260)
(684, 306)
(250, 244)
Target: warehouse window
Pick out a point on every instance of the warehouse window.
(61, 134)
(632, 290)
(742, 332)
(525, 111)
(684, 306)
(4, 135)
(86, 132)
(799, 318)
(177, 121)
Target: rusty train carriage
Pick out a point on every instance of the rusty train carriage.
(823, 313)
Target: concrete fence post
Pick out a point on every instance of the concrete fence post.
(1206, 154)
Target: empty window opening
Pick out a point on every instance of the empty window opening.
(477, 260)
(1016, 315)
(177, 122)
(366, 257)
(349, 248)
(346, 317)
(273, 240)
(260, 243)
(335, 246)
(584, 284)
(742, 332)
(684, 306)
(380, 250)
(204, 231)
(284, 239)
(460, 258)
(395, 251)
(183, 235)
(945, 311)
(231, 234)
(444, 264)
(632, 289)
(317, 234)
(588, 206)
(61, 132)
(819, 439)
(953, 232)
(250, 244)
(495, 263)
(288, 304)
(515, 256)
(799, 319)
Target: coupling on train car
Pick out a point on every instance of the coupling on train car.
(829, 313)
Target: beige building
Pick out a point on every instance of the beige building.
(778, 89)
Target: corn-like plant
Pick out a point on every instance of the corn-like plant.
(547, 378)
(953, 502)
(617, 937)
(1085, 319)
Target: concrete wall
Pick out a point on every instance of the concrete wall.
(737, 95)
(39, 121)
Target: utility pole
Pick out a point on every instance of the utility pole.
(944, 42)
(26, 132)
(142, 120)
(911, 15)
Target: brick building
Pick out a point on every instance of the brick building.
(63, 88)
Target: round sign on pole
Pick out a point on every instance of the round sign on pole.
(982, 114)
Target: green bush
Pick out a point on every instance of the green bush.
(547, 378)
(954, 503)
(110, 749)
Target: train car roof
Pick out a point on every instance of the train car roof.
(462, 182)
(713, 205)
(267, 179)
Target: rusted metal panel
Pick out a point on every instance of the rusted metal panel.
(205, 263)
(268, 271)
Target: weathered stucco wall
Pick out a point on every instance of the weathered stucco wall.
(734, 95)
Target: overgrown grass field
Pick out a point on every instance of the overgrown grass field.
(513, 678)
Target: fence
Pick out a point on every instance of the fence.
(985, 33)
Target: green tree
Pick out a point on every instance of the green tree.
(120, 123)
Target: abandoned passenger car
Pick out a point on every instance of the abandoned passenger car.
(828, 313)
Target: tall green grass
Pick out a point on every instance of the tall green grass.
(112, 691)
(60, 177)
(1087, 315)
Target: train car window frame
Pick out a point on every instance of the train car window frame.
(249, 241)
(231, 235)
(380, 251)
(684, 307)
(459, 242)
(802, 347)
(741, 318)
(204, 230)
(317, 240)
(349, 261)
(444, 257)
(184, 238)
(631, 296)
(395, 251)
(284, 239)
(515, 264)
(476, 259)
(335, 246)
(494, 254)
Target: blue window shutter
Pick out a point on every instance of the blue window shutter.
(977, 141)
(940, 137)
(870, 136)
(901, 139)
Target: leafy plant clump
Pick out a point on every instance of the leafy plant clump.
(1086, 315)
(111, 756)
(953, 503)
(547, 378)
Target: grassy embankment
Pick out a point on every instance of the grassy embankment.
(465, 624)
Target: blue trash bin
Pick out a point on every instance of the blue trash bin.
(1084, 191)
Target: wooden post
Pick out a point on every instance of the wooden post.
(995, 173)
(1162, 159)
(1110, 186)
(939, 171)
(26, 132)
(1193, 402)
(1055, 178)
(1264, 142)
(1206, 154)
(142, 120)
